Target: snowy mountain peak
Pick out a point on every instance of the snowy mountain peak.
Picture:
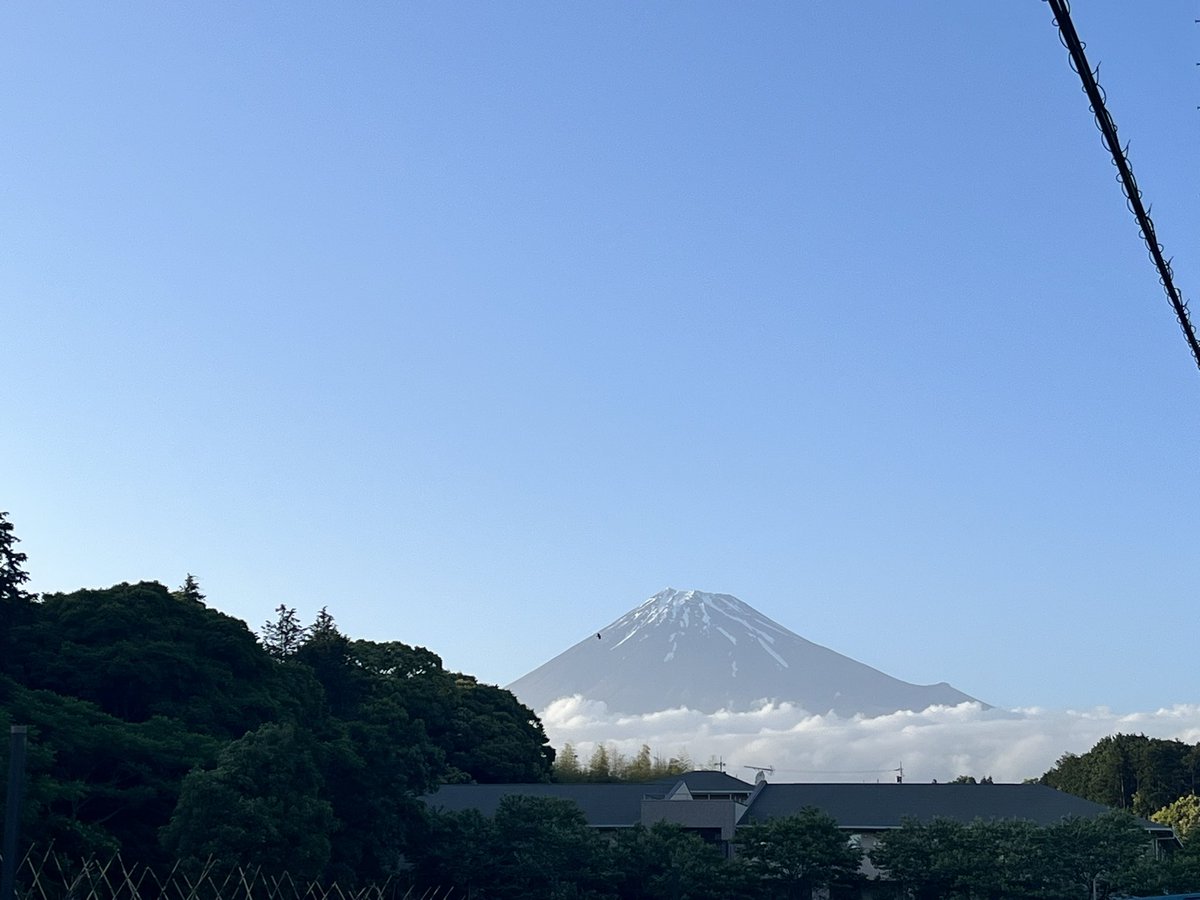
(710, 652)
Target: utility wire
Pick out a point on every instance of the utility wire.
(1133, 195)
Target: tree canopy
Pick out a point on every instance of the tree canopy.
(161, 727)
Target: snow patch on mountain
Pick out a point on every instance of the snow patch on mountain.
(713, 651)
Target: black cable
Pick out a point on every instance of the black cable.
(1133, 196)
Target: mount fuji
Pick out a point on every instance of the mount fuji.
(710, 652)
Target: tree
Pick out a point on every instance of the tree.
(190, 590)
(283, 636)
(495, 738)
(544, 848)
(996, 860)
(665, 862)
(1183, 815)
(793, 855)
(642, 767)
(328, 653)
(12, 566)
(598, 766)
(16, 604)
(1101, 856)
(453, 850)
(566, 764)
(137, 652)
(259, 808)
(919, 856)
(1129, 771)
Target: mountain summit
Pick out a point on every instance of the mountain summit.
(710, 652)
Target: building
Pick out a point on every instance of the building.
(714, 804)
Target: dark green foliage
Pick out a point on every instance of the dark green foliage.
(282, 636)
(793, 855)
(1079, 858)
(260, 807)
(453, 850)
(95, 783)
(16, 604)
(310, 757)
(534, 847)
(543, 848)
(190, 590)
(494, 738)
(1128, 771)
(665, 862)
(136, 652)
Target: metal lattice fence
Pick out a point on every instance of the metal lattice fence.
(50, 877)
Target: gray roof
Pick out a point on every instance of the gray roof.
(877, 806)
(604, 805)
(703, 781)
(866, 807)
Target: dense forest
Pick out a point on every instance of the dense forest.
(165, 729)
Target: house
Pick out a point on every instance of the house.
(715, 805)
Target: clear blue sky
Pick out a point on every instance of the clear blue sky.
(479, 323)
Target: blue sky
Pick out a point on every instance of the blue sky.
(480, 323)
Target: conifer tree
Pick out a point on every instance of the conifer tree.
(16, 603)
(190, 590)
(566, 766)
(282, 637)
(598, 766)
(12, 566)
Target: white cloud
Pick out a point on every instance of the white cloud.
(938, 743)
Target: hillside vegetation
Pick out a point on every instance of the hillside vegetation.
(165, 729)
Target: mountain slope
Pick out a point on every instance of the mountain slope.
(711, 652)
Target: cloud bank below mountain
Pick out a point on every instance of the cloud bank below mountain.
(939, 743)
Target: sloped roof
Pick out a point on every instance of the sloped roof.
(875, 806)
(707, 782)
(604, 805)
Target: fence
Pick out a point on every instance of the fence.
(50, 877)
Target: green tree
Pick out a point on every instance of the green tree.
(642, 766)
(919, 856)
(665, 862)
(544, 848)
(16, 603)
(566, 764)
(793, 855)
(1129, 771)
(1183, 815)
(97, 784)
(454, 851)
(495, 738)
(598, 766)
(190, 590)
(137, 652)
(261, 807)
(327, 652)
(1099, 857)
(283, 635)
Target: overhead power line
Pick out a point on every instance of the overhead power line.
(1133, 195)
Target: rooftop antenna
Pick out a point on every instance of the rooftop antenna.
(761, 772)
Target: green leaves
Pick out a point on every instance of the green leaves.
(799, 853)
(261, 806)
(1012, 859)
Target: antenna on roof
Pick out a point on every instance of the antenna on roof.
(762, 772)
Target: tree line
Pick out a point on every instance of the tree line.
(536, 847)
(166, 730)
